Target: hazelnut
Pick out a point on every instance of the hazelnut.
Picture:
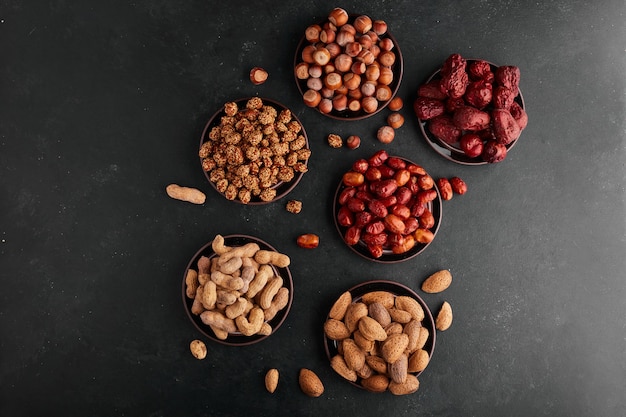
(343, 62)
(365, 41)
(358, 67)
(386, 76)
(315, 71)
(354, 105)
(307, 53)
(387, 58)
(312, 98)
(356, 93)
(344, 37)
(385, 134)
(302, 71)
(379, 27)
(325, 106)
(395, 120)
(368, 88)
(383, 93)
(386, 44)
(353, 49)
(321, 56)
(366, 57)
(353, 142)
(338, 16)
(352, 81)
(372, 73)
(327, 36)
(369, 104)
(333, 81)
(258, 75)
(314, 84)
(362, 24)
(340, 102)
(312, 33)
(395, 104)
(334, 49)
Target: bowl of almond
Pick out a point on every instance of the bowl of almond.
(380, 336)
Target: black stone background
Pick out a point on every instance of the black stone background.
(101, 106)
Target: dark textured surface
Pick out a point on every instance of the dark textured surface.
(102, 106)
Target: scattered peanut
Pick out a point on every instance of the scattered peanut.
(190, 195)
(198, 349)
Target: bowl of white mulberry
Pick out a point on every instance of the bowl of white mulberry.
(380, 336)
(237, 289)
(348, 66)
(254, 150)
(387, 208)
(471, 111)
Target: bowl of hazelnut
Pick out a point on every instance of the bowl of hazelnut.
(349, 66)
(254, 151)
(387, 208)
(471, 111)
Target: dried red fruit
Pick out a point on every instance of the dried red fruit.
(428, 108)
(308, 241)
(444, 129)
(454, 78)
(445, 189)
(470, 118)
(471, 144)
(458, 185)
(505, 127)
(493, 152)
(479, 94)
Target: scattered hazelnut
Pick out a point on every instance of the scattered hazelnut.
(338, 17)
(395, 120)
(395, 104)
(258, 75)
(353, 142)
(386, 134)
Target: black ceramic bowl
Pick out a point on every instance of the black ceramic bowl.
(453, 152)
(388, 256)
(397, 289)
(236, 339)
(281, 188)
(347, 114)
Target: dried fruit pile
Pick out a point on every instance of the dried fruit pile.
(385, 204)
(473, 106)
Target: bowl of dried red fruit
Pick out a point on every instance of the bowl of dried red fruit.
(348, 66)
(471, 111)
(387, 208)
(380, 335)
(254, 150)
(237, 289)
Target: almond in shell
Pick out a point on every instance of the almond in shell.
(371, 329)
(338, 310)
(394, 347)
(437, 282)
(271, 380)
(339, 365)
(376, 383)
(409, 386)
(336, 329)
(444, 317)
(310, 383)
(418, 361)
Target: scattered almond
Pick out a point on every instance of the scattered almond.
(437, 282)
(444, 317)
(271, 380)
(310, 383)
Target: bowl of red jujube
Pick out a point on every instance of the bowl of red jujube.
(387, 208)
(471, 111)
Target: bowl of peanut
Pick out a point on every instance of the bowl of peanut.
(387, 208)
(237, 289)
(254, 151)
(471, 111)
(348, 66)
(380, 336)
